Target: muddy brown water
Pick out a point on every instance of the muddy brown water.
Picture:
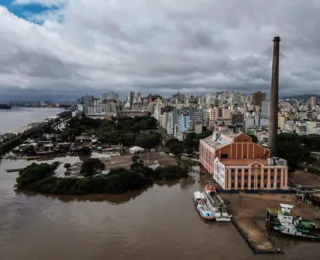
(14, 119)
(156, 223)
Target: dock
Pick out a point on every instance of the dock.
(255, 237)
(14, 170)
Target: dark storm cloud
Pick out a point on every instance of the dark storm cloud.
(84, 46)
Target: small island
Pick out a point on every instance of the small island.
(93, 180)
(5, 106)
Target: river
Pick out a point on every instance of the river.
(11, 120)
(157, 223)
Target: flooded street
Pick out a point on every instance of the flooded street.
(157, 223)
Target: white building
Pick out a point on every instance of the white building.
(157, 112)
(103, 109)
(110, 96)
(265, 108)
(256, 122)
(172, 121)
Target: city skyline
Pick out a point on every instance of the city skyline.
(183, 45)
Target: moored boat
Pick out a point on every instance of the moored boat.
(285, 223)
(205, 212)
(198, 197)
(216, 205)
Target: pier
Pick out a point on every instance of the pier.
(256, 238)
(14, 170)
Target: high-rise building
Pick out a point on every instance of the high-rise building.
(196, 115)
(265, 108)
(164, 120)
(172, 121)
(257, 98)
(110, 96)
(219, 113)
(134, 101)
(103, 109)
(237, 118)
(157, 112)
(312, 101)
(86, 100)
(236, 99)
(183, 125)
(256, 122)
(281, 122)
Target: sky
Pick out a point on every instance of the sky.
(67, 48)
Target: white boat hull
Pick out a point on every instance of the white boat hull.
(223, 219)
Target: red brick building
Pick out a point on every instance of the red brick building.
(237, 163)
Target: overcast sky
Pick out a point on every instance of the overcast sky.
(72, 47)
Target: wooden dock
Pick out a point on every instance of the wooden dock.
(256, 238)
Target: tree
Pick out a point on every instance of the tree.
(92, 167)
(85, 151)
(136, 166)
(148, 140)
(128, 139)
(174, 146)
(67, 165)
(254, 138)
(33, 173)
(135, 158)
(295, 149)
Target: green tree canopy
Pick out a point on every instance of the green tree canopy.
(91, 167)
(174, 146)
(148, 140)
(34, 173)
(85, 151)
(297, 149)
(254, 138)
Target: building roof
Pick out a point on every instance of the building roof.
(243, 162)
(215, 144)
(220, 141)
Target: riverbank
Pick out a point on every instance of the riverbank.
(249, 213)
(31, 130)
(19, 117)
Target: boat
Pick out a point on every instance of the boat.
(198, 197)
(282, 221)
(215, 204)
(205, 212)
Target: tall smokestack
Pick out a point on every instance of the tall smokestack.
(274, 98)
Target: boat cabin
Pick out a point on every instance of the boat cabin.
(199, 198)
(284, 215)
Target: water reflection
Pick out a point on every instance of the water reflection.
(111, 198)
(187, 182)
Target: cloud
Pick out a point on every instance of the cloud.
(47, 3)
(159, 46)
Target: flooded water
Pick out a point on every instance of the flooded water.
(154, 224)
(11, 120)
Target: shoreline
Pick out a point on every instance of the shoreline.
(27, 125)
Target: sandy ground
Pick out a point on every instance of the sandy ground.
(148, 158)
(253, 206)
(305, 178)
